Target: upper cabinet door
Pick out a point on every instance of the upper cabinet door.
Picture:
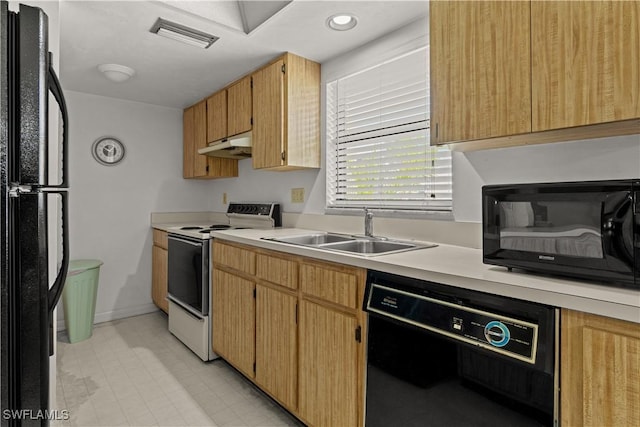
(188, 140)
(217, 116)
(586, 66)
(268, 112)
(200, 163)
(480, 69)
(194, 130)
(239, 107)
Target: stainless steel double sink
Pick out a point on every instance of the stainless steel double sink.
(361, 245)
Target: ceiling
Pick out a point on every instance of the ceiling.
(177, 75)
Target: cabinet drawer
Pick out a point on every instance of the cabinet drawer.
(234, 257)
(277, 270)
(160, 238)
(334, 284)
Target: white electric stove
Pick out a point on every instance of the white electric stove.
(189, 275)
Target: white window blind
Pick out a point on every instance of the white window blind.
(378, 151)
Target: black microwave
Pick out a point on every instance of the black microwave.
(589, 230)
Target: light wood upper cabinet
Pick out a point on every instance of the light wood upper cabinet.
(600, 375)
(508, 73)
(217, 116)
(328, 366)
(233, 329)
(239, 107)
(585, 62)
(159, 272)
(286, 114)
(267, 136)
(279, 104)
(200, 164)
(277, 344)
(188, 140)
(229, 111)
(480, 69)
(194, 128)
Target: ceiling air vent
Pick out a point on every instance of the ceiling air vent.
(183, 34)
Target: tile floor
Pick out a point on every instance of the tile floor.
(133, 372)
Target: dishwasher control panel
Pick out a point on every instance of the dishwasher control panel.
(477, 327)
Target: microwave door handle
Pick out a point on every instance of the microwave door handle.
(622, 219)
(56, 90)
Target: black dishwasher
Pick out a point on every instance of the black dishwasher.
(445, 356)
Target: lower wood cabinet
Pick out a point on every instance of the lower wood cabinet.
(299, 336)
(600, 371)
(234, 319)
(159, 267)
(329, 366)
(277, 344)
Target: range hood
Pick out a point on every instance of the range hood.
(234, 147)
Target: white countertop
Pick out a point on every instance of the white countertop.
(463, 267)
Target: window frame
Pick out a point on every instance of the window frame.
(411, 209)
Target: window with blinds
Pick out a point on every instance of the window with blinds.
(378, 151)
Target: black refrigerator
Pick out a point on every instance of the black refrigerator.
(30, 201)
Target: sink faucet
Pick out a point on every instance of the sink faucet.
(368, 222)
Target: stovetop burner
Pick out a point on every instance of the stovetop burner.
(191, 228)
(219, 227)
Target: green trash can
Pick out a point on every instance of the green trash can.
(79, 298)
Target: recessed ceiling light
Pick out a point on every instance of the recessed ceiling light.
(116, 73)
(342, 22)
(183, 34)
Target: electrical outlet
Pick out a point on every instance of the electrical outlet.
(297, 195)
(224, 198)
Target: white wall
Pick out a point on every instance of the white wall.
(585, 160)
(110, 206)
(255, 185)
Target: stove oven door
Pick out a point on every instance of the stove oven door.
(189, 274)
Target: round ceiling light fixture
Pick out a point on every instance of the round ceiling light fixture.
(116, 73)
(342, 22)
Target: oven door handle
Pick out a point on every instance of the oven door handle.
(189, 310)
(189, 242)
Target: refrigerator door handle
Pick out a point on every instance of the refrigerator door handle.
(56, 90)
(56, 290)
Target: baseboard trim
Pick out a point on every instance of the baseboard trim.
(117, 314)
